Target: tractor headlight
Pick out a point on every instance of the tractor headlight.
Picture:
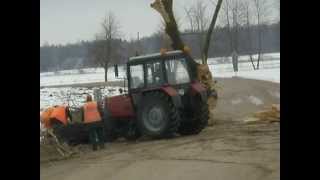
(181, 92)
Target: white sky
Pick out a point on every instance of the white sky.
(69, 21)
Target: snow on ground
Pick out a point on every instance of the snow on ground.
(75, 96)
(255, 100)
(269, 71)
(272, 75)
(244, 58)
(92, 75)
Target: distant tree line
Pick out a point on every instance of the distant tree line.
(270, 41)
(59, 57)
(73, 56)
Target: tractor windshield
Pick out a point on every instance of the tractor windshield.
(177, 72)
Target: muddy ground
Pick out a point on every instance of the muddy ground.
(231, 149)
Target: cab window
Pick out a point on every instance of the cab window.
(136, 76)
(154, 74)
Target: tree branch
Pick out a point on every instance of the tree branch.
(208, 35)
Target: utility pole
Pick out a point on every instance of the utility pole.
(138, 45)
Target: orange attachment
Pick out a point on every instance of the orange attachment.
(45, 117)
(59, 113)
(91, 113)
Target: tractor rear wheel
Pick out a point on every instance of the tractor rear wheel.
(157, 116)
(199, 121)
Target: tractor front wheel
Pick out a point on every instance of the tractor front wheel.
(199, 120)
(109, 128)
(157, 116)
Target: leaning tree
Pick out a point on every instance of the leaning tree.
(164, 7)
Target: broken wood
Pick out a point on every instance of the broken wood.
(271, 115)
(64, 152)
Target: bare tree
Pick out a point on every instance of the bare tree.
(234, 11)
(190, 18)
(105, 49)
(262, 9)
(198, 20)
(246, 5)
(276, 5)
(208, 35)
(226, 8)
(242, 13)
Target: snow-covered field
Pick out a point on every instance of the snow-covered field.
(269, 71)
(74, 97)
(73, 77)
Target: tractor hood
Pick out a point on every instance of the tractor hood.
(120, 106)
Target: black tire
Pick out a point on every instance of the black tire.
(94, 147)
(132, 133)
(109, 128)
(157, 116)
(199, 121)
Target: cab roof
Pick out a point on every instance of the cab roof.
(137, 59)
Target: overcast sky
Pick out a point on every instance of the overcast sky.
(69, 21)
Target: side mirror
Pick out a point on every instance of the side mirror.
(116, 73)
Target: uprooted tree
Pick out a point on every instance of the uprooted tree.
(164, 7)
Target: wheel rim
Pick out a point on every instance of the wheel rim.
(154, 118)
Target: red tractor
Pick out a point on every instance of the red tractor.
(163, 98)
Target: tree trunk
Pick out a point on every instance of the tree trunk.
(164, 7)
(258, 63)
(230, 32)
(249, 38)
(259, 39)
(259, 46)
(251, 59)
(208, 36)
(105, 72)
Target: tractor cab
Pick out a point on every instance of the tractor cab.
(155, 70)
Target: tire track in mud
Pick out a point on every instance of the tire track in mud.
(256, 165)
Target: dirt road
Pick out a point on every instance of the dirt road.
(229, 150)
(226, 151)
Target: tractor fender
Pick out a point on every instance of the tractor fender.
(171, 92)
(175, 97)
(198, 88)
(136, 98)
